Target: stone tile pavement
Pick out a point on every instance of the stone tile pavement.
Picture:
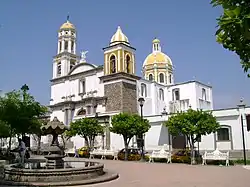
(136, 174)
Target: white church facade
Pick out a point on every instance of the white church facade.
(80, 89)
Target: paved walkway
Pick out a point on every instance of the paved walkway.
(134, 174)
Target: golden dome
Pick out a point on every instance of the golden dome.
(67, 25)
(119, 37)
(157, 57)
(156, 41)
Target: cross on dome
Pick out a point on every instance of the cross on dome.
(67, 25)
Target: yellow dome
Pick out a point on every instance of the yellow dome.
(157, 57)
(119, 37)
(156, 40)
(67, 25)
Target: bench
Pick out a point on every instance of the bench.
(104, 153)
(161, 154)
(215, 155)
(69, 152)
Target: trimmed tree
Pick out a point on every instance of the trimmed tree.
(66, 137)
(234, 28)
(4, 132)
(192, 124)
(37, 132)
(87, 128)
(21, 112)
(129, 126)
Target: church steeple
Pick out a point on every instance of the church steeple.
(67, 38)
(119, 55)
(66, 47)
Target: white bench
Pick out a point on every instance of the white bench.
(69, 151)
(104, 153)
(215, 155)
(161, 154)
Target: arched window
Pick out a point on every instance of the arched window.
(203, 94)
(59, 69)
(128, 64)
(66, 45)
(143, 90)
(176, 94)
(112, 64)
(81, 112)
(161, 78)
(170, 79)
(72, 64)
(60, 46)
(150, 77)
(72, 46)
(161, 94)
(223, 134)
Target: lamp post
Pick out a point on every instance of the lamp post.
(242, 106)
(164, 113)
(141, 102)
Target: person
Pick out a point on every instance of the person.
(22, 150)
(76, 153)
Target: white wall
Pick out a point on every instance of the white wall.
(225, 117)
(72, 87)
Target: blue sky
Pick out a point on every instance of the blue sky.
(28, 41)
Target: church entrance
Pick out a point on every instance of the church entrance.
(179, 142)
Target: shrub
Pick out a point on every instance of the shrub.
(241, 161)
(131, 157)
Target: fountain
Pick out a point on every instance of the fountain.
(54, 170)
(55, 158)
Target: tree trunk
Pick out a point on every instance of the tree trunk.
(38, 150)
(192, 151)
(92, 142)
(86, 142)
(64, 141)
(9, 148)
(126, 150)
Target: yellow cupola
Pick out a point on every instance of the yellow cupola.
(156, 56)
(119, 37)
(158, 66)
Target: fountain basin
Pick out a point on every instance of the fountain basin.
(74, 172)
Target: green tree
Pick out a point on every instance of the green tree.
(66, 137)
(234, 28)
(37, 132)
(4, 132)
(192, 124)
(9, 110)
(30, 112)
(20, 111)
(129, 126)
(87, 128)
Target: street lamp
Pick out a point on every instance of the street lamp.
(141, 139)
(164, 113)
(242, 106)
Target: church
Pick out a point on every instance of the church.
(80, 89)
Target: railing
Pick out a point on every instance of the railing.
(178, 105)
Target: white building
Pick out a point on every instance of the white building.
(80, 89)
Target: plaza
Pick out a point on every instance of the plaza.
(136, 174)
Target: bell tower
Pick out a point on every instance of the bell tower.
(119, 56)
(66, 56)
(120, 81)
